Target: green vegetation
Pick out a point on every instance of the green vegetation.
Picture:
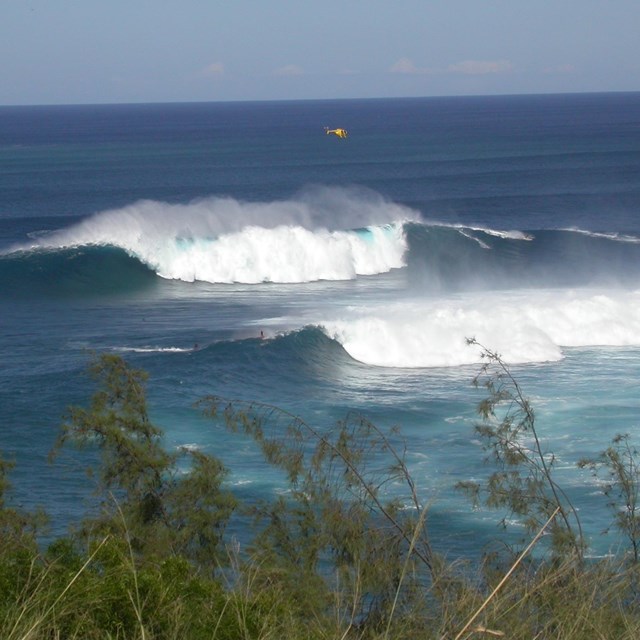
(142, 493)
(523, 481)
(344, 554)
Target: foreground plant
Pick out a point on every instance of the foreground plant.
(342, 527)
(523, 482)
(141, 490)
(340, 555)
(619, 469)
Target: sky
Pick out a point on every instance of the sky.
(122, 51)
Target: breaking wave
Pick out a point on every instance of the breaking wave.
(523, 326)
(323, 234)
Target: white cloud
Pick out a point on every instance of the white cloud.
(214, 69)
(480, 67)
(404, 65)
(289, 70)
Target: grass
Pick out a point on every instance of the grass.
(334, 561)
(111, 594)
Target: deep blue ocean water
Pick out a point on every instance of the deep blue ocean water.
(148, 230)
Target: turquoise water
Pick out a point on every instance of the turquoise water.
(147, 230)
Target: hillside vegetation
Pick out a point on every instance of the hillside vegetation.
(338, 556)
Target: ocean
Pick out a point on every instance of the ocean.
(238, 250)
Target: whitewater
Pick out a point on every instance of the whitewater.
(326, 276)
(338, 234)
(223, 240)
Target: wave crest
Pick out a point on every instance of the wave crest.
(323, 233)
(524, 326)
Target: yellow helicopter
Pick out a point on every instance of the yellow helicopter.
(341, 133)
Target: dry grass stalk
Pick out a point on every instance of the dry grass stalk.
(508, 574)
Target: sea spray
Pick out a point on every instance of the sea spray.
(523, 326)
(323, 234)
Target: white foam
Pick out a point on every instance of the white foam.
(466, 234)
(523, 326)
(151, 349)
(189, 446)
(311, 237)
(513, 234)
(284, 254)
(614, 235)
